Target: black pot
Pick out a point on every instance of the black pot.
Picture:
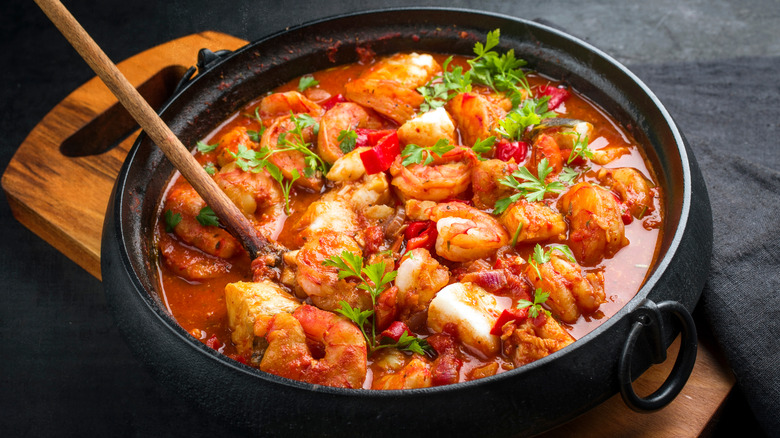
(525, 401)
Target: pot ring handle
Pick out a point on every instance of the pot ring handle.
(649, 318)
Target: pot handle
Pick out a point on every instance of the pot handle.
(206, 60)
(649, 318)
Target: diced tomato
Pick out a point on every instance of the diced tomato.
(380, 157)
(557, 96)
(395, 331)
(421, 234)
(506, 150)
(625, 213)
(332, 101)
(513, 314)
(213, 342)
(540, 319)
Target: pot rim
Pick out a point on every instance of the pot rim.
(660, 267)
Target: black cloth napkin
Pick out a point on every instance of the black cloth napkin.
(727, 109)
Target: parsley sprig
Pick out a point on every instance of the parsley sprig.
(374, 279)
(579, 148)
(207, 217)
(414, 154)
(532, 189)
(347, 140)
(171, 220)
(307, 81)
(439, 90)
(540, 257)
(500, 72)
(483, 146)
(532, 112)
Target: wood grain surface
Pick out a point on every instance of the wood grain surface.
(61, 177)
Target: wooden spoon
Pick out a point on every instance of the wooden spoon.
(260, 249)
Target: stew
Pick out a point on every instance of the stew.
(446, 219)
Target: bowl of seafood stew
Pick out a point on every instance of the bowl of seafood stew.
(192, 328)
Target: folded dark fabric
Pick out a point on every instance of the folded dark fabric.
(728, 112)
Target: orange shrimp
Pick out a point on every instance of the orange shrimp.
(448, 176)
(533, 222)
(322, 283)
(634, 189)
(477, 116)
(287, 161)
(230, 142)
(465, 233)
(289, 353)
(342, 117)
(595, 221)
(281, 104)
(185, 201)
(572, 293)
(528, 342)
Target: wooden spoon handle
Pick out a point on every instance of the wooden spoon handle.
(236, 223)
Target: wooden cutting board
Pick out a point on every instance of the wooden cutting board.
(59, 181)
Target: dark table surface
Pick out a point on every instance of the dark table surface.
(66, 370)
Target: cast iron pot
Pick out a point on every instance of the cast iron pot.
(524, 401)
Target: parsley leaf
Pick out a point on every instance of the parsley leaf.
(307, 81)
(209, 168)
(568, 175)
(207, 217)
(171, 220)
(413, 154)
(579, 148)
(440, 89)
(533, 189)
(206, 148)
(483, 146)
(532, 112)
(374, 279)
(500, 72)
(540, 297)
(347, 140)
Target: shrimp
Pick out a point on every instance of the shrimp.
(321, 283)
(528, 342)
(419, 277)
(188, 263)
(183, 200)
(229, 144)
(533, 222)
(572, 293)
(257, 195)
(595, 221)
(448, 176)
(477, 116)
(415, 374)
(608, 154)
(289, 160)
(360, 190)
(282, 104)
(466, 233)
(289, 353)
(545, 146)
(385, 97)
(427, 129)
(486, 182)
(345, 116)
(634, 189)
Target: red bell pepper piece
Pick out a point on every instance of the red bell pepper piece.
(557, 96)
(506, 150)
(332, 101)
(395, 331)
(380, 157)
(512, 314)
(370, 137)
(421, 234)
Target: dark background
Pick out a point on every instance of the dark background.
(64, 367)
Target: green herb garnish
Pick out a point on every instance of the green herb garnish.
(532, 112)
(374, 279)
(483, 146)
(533, 189)
(413, 154)
(209, 168)
(579, 148)
(207, 217)
(206, 148)
(171, 220)
(347, 140)
(540, 297)
(307, 81)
